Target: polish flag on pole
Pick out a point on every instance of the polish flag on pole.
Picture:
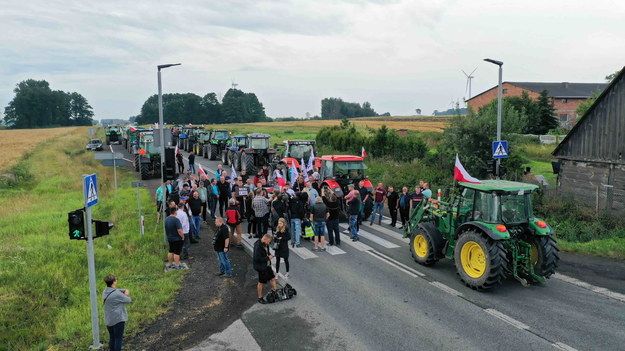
(461, 174)
(280, 179)
(363, 152)
(177, 151)
(201, 171)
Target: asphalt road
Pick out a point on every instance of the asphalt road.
(372, 295)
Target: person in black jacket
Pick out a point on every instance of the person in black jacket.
(392, 199)
(262, 264)
(297, 213)
(332, 223)
(282, 237)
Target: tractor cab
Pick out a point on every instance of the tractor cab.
(294, 151)
(238, 141)
(219, 135)
(257, 142)
(337, 171)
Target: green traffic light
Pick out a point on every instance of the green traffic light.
(76, 233)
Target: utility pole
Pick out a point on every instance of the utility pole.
(499, 93)
(162, 139)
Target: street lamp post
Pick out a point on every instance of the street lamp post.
(161, 125)
(499, 93)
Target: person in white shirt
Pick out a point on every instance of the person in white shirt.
(183, 216)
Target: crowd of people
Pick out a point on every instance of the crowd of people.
(277, 215)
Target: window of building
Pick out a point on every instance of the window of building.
(564, 117)
(564, 101)
(504, 91)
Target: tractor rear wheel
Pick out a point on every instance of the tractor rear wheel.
(137, 162)
(144, 170)
(480, 261)
(544, 255)
(213, 152)
(247, 163)
(426, 244)
(224, 158)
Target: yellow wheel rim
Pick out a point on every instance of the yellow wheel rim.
(420, 246)
(534, 254)
(473, 259)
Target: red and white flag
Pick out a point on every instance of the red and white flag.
(461, 174)
(363, 152)
(201, 171)
(177, 151)
(280, 179)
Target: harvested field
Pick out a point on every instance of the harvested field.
(423, 124)
(16, 142)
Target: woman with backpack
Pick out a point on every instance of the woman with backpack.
(234, 221)
(281, 248)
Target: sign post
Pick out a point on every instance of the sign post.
(90, 186)
(114, 170)
(138, 185)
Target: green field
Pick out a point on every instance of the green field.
(44, 296)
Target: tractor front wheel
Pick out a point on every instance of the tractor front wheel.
(137, 162)
(144, 170)
(480, 261)
(247, 163)
(213, 152)
(224, 158)
(426, 244)
(544, 255)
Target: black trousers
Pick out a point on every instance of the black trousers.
(393, 212)
(404, 214)
(286, 262)
(223, 205)
(251, 225)
(116, 334)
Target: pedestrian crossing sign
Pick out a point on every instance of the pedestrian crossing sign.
(500, 149)
(90, 186)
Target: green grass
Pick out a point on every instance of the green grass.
(543, 168)
(44, 296)
(612, 247)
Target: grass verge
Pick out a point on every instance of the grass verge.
(44, 296)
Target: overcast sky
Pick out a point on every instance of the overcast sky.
(397, 54)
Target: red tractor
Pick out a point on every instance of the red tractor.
(337, 171)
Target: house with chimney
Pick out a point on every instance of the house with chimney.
(566, 96)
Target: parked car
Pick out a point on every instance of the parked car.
(95, 144)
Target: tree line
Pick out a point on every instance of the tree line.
(235, 107)
(336, 108)
(35, 105)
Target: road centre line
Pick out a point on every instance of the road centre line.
(396, 263)
(393, 265)
(563, 346)
(446, 288)
(390, 232)
(506, 318)
(593, 288)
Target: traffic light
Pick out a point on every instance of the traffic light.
(76, 220)
(491, 166)
(102, 227)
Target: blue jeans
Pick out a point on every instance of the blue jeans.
(116, 334)
(224, 262)
(319, 228)
(185, 246)
(196, 221)
(378, 207)
(334, 233)
(192, 167)
(353, 225)
(296, 229)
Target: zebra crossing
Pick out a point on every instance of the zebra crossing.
(374, 236)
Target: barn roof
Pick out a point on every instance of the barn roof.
(600, 133)
(557, 90)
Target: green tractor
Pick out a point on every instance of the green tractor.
(147, 157)
(217, 141)
(113, 135)
(489, 231)
(201, 142)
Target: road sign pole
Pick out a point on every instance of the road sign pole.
(499, 93)
(139, 204)
(95, 324)
(114, 171)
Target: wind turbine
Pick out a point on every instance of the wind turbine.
(469, 77)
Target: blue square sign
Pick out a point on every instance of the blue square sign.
(500, 149)
(90, 186)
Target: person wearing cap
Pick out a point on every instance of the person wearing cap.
(186, 191)
(353, 201)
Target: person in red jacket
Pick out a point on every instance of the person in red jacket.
(233, 216)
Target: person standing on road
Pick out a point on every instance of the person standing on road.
(115, 314)
(191, 162)
(196, 205)
(353, 211)
(249, 215)
(262, 264)
(234, 222)
(183, 217)
(175, 238)
(404, 206)
(219, 171)
(180, 162)
(158, 196)
(334, 233)
(297, 212)
(221, 244)
(378, 203)
(319, 216)
(282, 237)
(415, 198)
(261, 211)
(213, 198)
(427, 193)
(392, 199)
(224, 195)
(204, 197)
(364, 196)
